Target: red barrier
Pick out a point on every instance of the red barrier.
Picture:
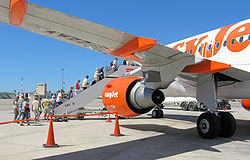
(56, 117)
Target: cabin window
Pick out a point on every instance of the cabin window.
(185, 52)
(249, 38)
(217, 44)
(209, 47)
(241, 39)
(233, 41)
(191, 51)
(225, 43)
(199, 49)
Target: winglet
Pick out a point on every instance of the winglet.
(17, 11)
(137, 45)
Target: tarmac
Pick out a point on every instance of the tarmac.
(171, 137)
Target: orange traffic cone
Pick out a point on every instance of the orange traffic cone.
(117, 128)
(50, 138)
(108, 119)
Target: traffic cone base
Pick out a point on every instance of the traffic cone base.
(117, 135)
(54, 146)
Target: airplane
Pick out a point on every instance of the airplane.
(213, 65)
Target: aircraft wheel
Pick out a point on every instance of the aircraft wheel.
(160, 113)
(184, 106)
(80, 117)
(191, 106)
(208, 125)
(155, 114)
(227, 124)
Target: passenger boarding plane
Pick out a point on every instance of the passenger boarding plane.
(208, 66)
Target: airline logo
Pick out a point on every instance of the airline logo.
(235, 37)
(112, 94)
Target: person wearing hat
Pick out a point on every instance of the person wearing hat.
(35, 107)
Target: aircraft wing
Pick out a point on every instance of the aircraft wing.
(87, 34)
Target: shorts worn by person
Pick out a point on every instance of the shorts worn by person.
(46, 104)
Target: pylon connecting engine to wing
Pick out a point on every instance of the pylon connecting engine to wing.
(128, 97)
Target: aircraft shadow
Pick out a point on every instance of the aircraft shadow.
(172, 141)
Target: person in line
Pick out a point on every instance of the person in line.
(77, 88)
(70, 93)
(96, 76)
(115, 65)
(85, 82)
(35, 108)
(20, 104)
(16, 107)
(101, 76)
(40, 109)
(59, 98)
(46, 104)
(53, 106)
(25, 111)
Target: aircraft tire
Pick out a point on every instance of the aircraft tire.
(208, 125)
(227, 124)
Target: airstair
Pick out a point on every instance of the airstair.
(72, 106)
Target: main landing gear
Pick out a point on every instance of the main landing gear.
(210, 125)
(158, 112)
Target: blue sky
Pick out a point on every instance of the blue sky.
(39, 59)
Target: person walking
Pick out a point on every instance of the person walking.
(115, 65)
(96, 76)
(59, 99)
(16, 107)
(54, 104)
(46, 104)
(20, 104)
(101, 76)
(85, 82)
(35, 108)
(25, 111)
(77, 88)
(70, 93)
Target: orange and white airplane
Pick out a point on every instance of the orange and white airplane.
(208, 66)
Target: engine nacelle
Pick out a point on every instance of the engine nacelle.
(129, 98)
(246, 104)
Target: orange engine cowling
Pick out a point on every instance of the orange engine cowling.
(128, 97)
(246, 104)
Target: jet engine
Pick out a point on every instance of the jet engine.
(246, 104)
(128, 97)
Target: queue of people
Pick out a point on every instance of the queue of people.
(23, 108)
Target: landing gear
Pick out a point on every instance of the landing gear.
(184, 106)
(227, 124)
(210, 126)
(158, 112)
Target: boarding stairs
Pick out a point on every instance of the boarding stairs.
(72, 106)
